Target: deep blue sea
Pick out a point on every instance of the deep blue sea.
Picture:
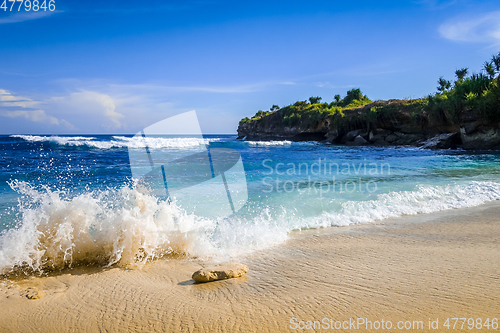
(68, 200)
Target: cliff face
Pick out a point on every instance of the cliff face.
(271, 127)
(382, 123)
(477, 133)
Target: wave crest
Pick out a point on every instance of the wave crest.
(120, 142)
(124, 227)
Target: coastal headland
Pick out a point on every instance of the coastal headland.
(463, 114)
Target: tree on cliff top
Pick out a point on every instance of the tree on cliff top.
(274, 108)
(478, 92)
(495, 60)
(314, 100)
(461, 73)
(354, 98)
(443, 84)
(489, 69)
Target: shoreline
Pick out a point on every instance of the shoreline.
(412, 268)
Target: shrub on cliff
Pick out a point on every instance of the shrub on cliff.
(314, 100)
(312, 110)
(477, 92)
(260, 114)
(245, 120)
(353, 99)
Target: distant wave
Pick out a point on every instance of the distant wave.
(37, 138)
(280, 143)
(120, 141)
(269, 143)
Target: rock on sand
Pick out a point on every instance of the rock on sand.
(220, 272)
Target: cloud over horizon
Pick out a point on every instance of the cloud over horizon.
(38, 116)
(88, 103)
(85, 108)
(12, 106)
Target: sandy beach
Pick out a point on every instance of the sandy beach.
(410, 269)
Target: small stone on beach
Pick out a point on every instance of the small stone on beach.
(32, 293)
(220, 272)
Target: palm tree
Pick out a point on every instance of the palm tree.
(314, 100)
(495, 60)
(461, 73)
(443, 84)
(489, 69)
(337, 98)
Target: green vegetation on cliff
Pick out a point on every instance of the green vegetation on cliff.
(476, 92)
(313, 109)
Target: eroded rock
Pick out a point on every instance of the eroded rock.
(485, 139)
(360, 141)
(442, 141)
(220, 272)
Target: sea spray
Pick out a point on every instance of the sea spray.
(126, 227)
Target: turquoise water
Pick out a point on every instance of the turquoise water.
(73, 200)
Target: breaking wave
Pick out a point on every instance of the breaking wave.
(130, 227)
(120, 141)
(126, 227)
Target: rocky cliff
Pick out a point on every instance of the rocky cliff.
(382, 123)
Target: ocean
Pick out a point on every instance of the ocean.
(73, 200)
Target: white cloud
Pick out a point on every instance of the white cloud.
(103, 107)
(88, 104)
(89, 109)
(13, 106)
(481, 29)
(6, 96)
(7, 99)
(38, 116)
(27, 16)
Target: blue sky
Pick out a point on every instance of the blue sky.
(99, 67)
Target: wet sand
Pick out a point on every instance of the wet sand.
(417, 268)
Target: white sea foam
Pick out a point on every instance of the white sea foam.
(57, 139)
(158, 142)
(269, 143)
(426, 199)
(121, 141)
(124, 228)
(281, 143)
(128, 227)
